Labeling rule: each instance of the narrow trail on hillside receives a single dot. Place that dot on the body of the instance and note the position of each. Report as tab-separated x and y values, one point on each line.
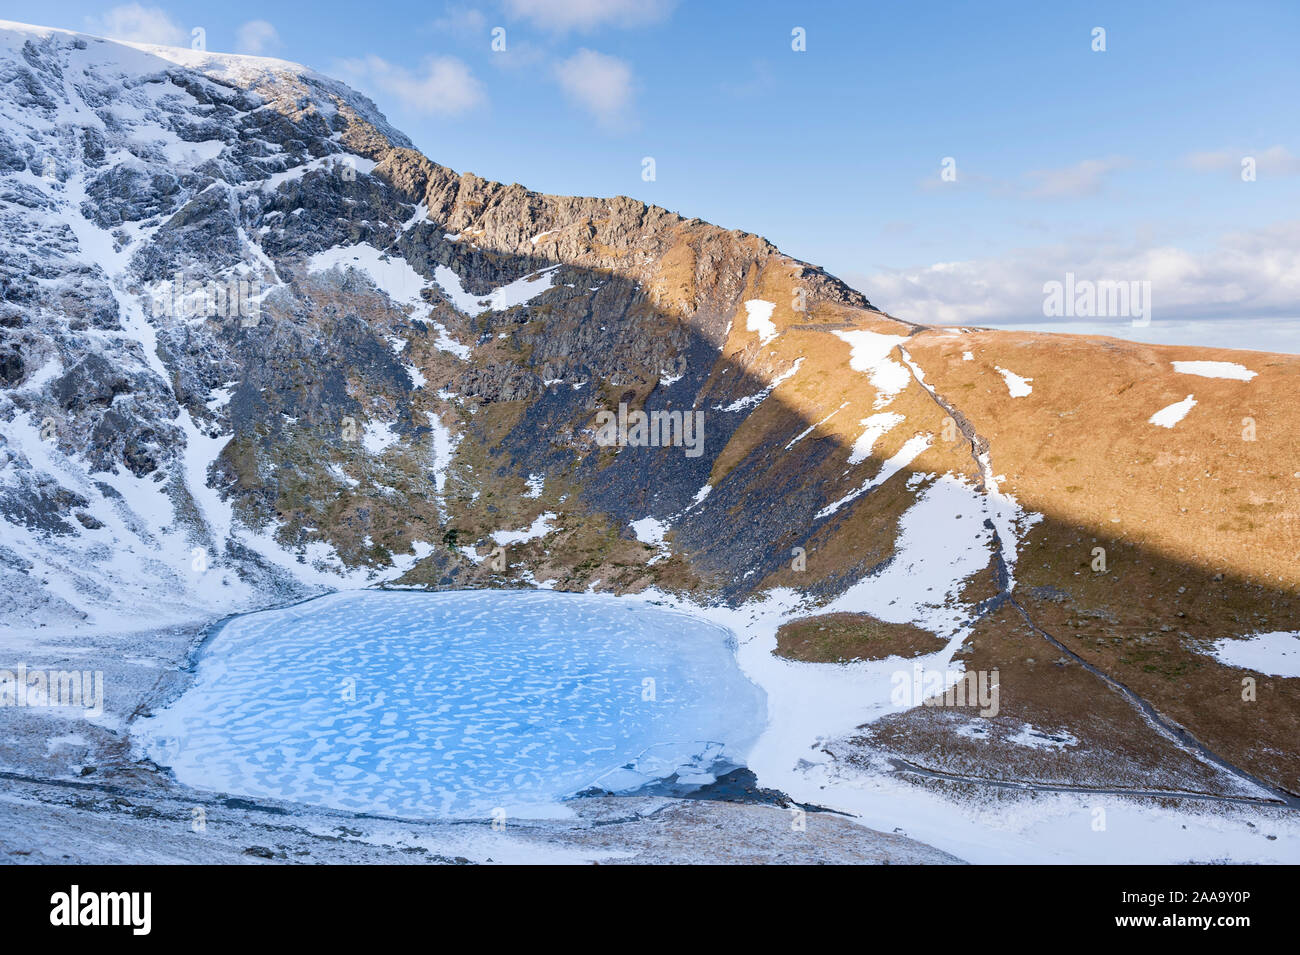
1172	731
906	766
1167	728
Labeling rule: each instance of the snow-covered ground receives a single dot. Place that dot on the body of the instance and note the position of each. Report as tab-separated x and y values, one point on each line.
811	705
1277	654
1017	386
869	353
758	318
1215	369
542	525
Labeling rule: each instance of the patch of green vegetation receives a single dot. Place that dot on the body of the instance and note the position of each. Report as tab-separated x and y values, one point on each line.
843	637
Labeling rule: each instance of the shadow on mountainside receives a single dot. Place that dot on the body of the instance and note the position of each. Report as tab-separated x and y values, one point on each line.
608	332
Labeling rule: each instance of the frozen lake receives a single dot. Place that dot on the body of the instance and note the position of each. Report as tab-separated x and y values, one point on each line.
457	704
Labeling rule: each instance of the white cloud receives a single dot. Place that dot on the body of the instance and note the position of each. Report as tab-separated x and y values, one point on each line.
1274	161
1248	274
519	54
463	21
562	15
1212	161
599	83
257	38
139	24
1082	179
443	85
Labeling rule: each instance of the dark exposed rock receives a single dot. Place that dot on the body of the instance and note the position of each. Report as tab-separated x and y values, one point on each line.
11	362
125	194
92	380
499	383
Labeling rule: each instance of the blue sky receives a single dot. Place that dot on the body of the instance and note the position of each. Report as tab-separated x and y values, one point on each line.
1124	163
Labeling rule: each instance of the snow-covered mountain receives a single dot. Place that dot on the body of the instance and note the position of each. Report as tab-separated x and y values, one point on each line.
181	226
253	344
126	167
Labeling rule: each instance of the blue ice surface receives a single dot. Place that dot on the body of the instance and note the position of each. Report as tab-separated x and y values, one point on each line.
456	704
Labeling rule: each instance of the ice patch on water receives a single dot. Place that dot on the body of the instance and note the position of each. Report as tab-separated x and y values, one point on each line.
454	704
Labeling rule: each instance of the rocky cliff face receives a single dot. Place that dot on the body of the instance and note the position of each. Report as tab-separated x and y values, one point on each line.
235	292
253	344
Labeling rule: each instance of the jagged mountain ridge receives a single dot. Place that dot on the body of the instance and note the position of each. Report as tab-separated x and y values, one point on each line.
375	423
237	166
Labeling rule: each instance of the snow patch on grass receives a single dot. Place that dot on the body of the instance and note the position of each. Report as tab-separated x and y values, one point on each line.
1169	416
378	437
869	354
1037	739
753	401
1018	387
878	425
813	427
539	528
1215	369
908	453
444	449
1276	654
758	318
650	531
942	541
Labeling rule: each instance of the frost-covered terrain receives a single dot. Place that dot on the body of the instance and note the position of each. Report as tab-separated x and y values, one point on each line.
109	443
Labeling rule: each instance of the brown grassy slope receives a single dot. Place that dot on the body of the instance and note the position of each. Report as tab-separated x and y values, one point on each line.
1056	724
1199	526
1080	446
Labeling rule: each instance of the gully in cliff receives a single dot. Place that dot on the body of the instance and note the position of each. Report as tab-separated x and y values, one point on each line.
238	298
